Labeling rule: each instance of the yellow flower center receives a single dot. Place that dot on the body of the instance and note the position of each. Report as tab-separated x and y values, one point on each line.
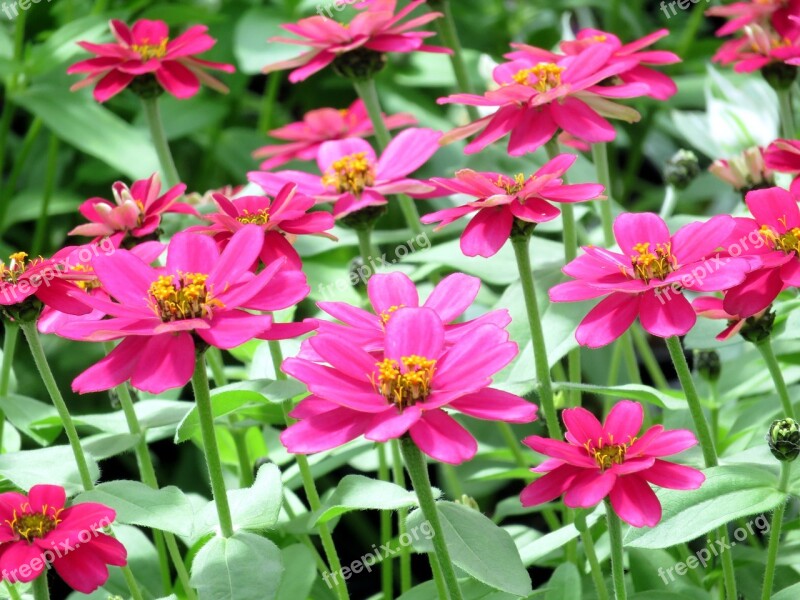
147	51
30	525
542	77
89	284
649	265
511	186
387	314
260	217
17	264
787	243
351	173
606	453
404	388
183	297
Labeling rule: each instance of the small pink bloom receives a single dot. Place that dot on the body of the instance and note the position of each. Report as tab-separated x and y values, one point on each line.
324	124
746	171
611	460
136	211
405	389
160	313
502	199
146	50
758	12
774	235
281	219
758	48
712	307
377	28
647	278
784	156
207	198
353	177
32	525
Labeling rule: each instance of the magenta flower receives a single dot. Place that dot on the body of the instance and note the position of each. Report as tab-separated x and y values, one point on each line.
711	307
146	50
540	92
377	29
353	177
648	277
758	48
406	389
784	156
756	12
324	124
136	211
745	171
775	232
388	293
502	199
611	460
36	530
281	220
161	313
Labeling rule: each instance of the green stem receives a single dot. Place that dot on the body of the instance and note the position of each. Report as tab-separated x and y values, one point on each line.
47	195
714	387
418	472
520	245
786	111
268	103
9	347
7	193
631	363
13	593
446	27
438	578
594	565
39	357
5	128
600	158
649	359
202	397
365	247
387	568
617	553
693	400
728	572
399	478
768	353
775	533
40	589
160	143
368	93
670	201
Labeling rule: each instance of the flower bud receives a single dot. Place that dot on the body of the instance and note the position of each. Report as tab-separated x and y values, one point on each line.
779	75
146	86
681	169
784	439
758	328
468	501
707	364
360	64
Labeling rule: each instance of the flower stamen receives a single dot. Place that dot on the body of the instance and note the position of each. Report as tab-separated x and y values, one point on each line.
351	173
542	77
186	298
405	387
649	265
260	217
787	243
31	525
147	51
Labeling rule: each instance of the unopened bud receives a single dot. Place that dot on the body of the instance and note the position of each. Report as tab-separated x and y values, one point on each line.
784	439
681	169
360	64
758	328
779	75
708	364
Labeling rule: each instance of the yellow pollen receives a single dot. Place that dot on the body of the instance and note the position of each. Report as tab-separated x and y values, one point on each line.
89	284
186	298
599	38
787	243
511	187
17	265
148	51
649	265
260	217
542	77
606	453
351	173
387	314
405	387
31	525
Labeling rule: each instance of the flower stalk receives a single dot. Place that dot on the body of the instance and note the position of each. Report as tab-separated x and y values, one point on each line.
775	533
159	137
617	553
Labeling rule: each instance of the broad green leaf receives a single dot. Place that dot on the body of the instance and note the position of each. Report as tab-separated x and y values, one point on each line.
470	590
356	492
789	593
29	467
150	413
25	414
167	508
252	49
564	584
106	445
729	492
300	573
539	547
244	566
477	546
62	45
630	391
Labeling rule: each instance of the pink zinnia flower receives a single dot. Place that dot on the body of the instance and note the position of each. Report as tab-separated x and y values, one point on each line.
541	92
377	29
146	50
502	199
388	293
611	460
758	48
758	12
160	313
711	307
353	177
648	277
746	171
775	233
136	211
324	124
37	527
281	219
784	156
406	389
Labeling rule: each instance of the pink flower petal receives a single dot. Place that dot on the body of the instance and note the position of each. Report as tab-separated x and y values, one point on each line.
608	320
666	313
550	486
635	502
441	437
496	405
391	290
589	487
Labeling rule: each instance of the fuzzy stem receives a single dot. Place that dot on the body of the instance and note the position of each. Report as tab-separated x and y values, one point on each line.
786	111
595	569
40	589
9	347
387	568
160	143
399	478
446	27
775	533
617	553
768	353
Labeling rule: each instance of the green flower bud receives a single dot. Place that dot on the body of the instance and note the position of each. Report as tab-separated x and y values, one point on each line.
522	229
758	328
146	86
779	76
784	439
681	169
27	311
360	64
364	218
707	364
468	501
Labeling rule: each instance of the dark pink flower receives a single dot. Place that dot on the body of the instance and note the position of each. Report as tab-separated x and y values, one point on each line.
377	28
711	307
758	48
756	12
146	50
784	156
746	171
161	313
774	232
281	219
502	199
304	138
611	460
35	530
135	212
352	177
404	390
648	277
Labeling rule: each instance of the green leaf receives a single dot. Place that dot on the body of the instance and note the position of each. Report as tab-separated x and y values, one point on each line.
478	546
729	492
564	584
29	467
251	48
62	45
542	546
790	593
630	391
300	573
356	492
244	566
25	414
167	509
